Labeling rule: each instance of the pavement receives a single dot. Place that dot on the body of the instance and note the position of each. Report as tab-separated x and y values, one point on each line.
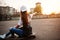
45	29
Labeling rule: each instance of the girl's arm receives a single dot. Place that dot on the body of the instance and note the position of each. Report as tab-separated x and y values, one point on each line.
31	15
19	23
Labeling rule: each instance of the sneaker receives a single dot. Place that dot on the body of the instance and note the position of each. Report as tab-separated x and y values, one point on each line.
3	36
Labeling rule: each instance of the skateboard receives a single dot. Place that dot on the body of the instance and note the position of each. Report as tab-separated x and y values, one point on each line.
31	36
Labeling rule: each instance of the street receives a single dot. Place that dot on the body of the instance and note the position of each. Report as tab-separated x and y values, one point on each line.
45	29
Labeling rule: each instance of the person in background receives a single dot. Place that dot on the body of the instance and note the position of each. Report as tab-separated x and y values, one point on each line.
24	21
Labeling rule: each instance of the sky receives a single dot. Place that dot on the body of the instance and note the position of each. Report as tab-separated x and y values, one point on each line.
48	6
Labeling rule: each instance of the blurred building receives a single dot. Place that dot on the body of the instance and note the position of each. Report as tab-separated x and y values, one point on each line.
6	12
38	8
58	15
54	15
31	10
38	4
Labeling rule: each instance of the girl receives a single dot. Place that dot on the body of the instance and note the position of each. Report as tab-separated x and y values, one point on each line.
25	20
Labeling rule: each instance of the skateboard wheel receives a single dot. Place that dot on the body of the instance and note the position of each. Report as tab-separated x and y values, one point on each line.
32	37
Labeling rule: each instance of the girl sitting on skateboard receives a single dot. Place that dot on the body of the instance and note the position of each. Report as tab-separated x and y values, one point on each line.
25	20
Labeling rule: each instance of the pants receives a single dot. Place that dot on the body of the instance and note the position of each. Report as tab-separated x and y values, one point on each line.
21	31
16	31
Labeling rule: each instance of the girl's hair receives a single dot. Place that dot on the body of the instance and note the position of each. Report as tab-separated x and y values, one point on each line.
24	18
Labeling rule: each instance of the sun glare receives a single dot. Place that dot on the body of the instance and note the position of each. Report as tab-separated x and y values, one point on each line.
51	6
48	6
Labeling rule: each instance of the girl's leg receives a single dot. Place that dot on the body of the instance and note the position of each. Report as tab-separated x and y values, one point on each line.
8	34
5	35
19	32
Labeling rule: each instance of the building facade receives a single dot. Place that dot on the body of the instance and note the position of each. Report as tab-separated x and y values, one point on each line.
38	8
6	12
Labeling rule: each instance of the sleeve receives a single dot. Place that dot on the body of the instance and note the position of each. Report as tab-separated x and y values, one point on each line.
20	22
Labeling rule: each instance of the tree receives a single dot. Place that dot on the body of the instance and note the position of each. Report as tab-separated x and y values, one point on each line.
38	8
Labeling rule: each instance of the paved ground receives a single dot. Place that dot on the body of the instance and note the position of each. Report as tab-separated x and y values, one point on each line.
45	29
